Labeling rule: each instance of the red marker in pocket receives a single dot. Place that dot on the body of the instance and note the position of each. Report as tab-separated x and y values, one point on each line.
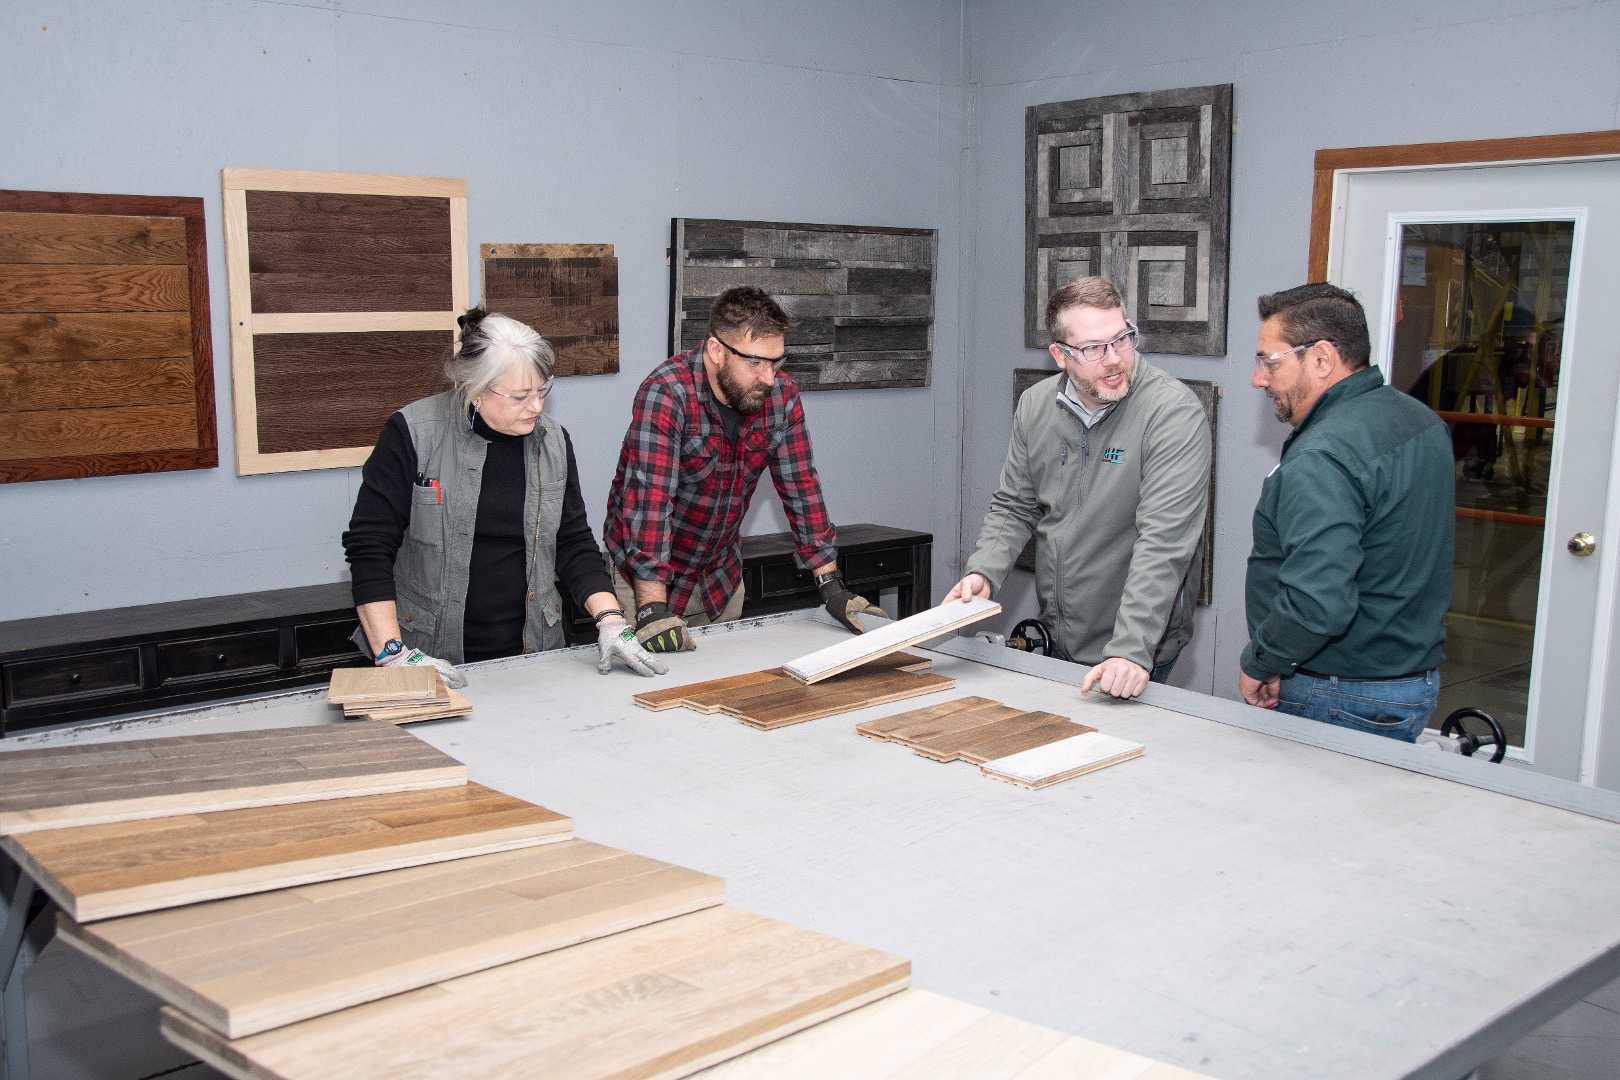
438	495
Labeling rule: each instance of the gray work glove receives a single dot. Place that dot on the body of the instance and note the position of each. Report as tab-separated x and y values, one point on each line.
615	640
659	629
844	605
453	678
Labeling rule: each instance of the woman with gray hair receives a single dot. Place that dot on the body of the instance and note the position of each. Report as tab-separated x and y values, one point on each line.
469	512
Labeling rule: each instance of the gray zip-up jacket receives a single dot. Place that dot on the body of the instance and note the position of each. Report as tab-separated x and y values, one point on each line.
1118	514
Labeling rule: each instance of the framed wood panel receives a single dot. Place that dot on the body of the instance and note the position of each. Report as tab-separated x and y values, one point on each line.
1209	396
106	356
344	291
861	296
1134	188
569	293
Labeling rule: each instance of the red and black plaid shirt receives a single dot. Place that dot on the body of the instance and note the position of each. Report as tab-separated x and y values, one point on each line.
679	495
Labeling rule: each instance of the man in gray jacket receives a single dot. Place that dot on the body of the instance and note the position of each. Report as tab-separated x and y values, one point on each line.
1108	466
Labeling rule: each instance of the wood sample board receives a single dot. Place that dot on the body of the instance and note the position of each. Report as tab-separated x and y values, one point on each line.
861	296
386	686
346	280
1064	759
916	1034
106	355
456	704
253	963
888	637
96	783
663	1000
124	868
568	293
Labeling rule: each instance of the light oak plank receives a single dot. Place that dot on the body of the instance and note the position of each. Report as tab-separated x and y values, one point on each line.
386	685
85	239
38	337
888	637
339	183
1062	759
60	432
26	287
97	384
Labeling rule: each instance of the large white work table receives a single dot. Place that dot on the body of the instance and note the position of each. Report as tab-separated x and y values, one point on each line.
1245	903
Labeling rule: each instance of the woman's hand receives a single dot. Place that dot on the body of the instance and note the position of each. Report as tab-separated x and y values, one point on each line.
615	639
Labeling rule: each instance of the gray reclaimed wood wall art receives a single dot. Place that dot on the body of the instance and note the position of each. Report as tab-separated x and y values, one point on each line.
1134	188
1209	396
861	296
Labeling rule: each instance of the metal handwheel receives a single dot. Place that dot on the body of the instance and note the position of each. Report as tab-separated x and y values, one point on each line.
1032	636
1468	742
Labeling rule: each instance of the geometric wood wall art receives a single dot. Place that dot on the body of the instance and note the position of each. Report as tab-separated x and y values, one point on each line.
1134	188
861	297
1209	396
106	362
568	293
344	292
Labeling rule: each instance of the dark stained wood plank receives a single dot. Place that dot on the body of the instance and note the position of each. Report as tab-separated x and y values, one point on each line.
423	221
330	391
98	431
29	287
136	335
80	239
314	291
558	319
73	466
888	335
570	279
991	746
572	300
95	384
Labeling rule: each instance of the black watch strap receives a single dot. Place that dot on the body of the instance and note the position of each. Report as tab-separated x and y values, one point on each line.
391	647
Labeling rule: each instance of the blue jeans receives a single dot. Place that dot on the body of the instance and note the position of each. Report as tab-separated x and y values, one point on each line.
1397	708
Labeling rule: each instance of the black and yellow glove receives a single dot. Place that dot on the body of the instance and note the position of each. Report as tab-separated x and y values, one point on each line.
659	629
844	605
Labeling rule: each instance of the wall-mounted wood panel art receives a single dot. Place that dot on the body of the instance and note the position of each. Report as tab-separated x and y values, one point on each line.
1209	396
862	296
569	293
345	289
1134	188
106	362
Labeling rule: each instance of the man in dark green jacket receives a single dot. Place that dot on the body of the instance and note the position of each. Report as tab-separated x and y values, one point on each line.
1350	575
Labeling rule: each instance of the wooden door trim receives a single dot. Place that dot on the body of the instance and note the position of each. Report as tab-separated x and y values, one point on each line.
1529	148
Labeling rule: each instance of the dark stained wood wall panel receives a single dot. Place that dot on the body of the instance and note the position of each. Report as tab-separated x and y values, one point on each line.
320	390
106	364
569	293
861	296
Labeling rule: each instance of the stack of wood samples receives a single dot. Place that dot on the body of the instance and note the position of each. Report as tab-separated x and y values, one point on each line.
396	695
106	360
888	637
1031	749
770	699
663	1000
190	774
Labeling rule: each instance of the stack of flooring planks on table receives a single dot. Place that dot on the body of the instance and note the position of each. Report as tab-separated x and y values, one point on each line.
1030	749
889	637
398	695
453	931
766	700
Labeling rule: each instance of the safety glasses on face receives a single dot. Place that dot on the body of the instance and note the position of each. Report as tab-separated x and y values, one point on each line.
1123	345
755	363
1269	361
537	394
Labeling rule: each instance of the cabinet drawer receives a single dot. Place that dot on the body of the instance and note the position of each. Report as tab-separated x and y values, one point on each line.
67	677
869	565
221	655
330	640
784	579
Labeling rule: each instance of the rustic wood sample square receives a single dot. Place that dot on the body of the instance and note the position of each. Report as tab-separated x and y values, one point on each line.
344	290
1134	188
106	360
569	294
1209	396
862	297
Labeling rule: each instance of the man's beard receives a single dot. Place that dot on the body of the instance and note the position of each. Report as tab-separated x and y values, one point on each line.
1283	405
745	397
1094	388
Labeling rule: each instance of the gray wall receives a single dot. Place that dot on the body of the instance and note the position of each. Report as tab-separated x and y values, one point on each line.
571	122
1306	76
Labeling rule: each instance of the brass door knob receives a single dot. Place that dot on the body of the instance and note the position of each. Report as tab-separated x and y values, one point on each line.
1582	543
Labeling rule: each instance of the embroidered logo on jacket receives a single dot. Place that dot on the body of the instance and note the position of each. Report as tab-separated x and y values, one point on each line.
1114	455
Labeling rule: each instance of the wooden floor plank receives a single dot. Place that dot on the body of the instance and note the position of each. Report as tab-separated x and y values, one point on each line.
960	724
962	744
1063	759
663	1000
712	695
863	690
889	637
995	743
884	726
102	871
61	787
241	968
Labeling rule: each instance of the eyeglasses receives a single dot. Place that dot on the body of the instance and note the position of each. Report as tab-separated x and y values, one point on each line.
1271	360
1123	345
538	393
756	363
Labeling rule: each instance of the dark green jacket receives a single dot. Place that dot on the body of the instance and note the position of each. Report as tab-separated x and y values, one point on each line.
1351	568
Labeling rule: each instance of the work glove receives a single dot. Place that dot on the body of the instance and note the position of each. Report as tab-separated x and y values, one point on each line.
659	629
614	638
453	678
844	605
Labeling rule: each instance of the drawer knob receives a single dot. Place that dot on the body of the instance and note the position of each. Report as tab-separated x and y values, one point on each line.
75	678
219	658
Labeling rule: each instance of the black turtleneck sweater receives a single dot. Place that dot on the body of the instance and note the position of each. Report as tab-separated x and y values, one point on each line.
497	581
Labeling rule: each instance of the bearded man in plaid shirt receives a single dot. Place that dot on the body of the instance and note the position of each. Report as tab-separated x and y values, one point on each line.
705	424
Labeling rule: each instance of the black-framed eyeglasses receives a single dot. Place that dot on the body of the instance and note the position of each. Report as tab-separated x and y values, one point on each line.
754	362
1123	344
538	393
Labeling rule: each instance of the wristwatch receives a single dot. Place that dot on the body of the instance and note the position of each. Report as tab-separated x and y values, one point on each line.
393	647
823	578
